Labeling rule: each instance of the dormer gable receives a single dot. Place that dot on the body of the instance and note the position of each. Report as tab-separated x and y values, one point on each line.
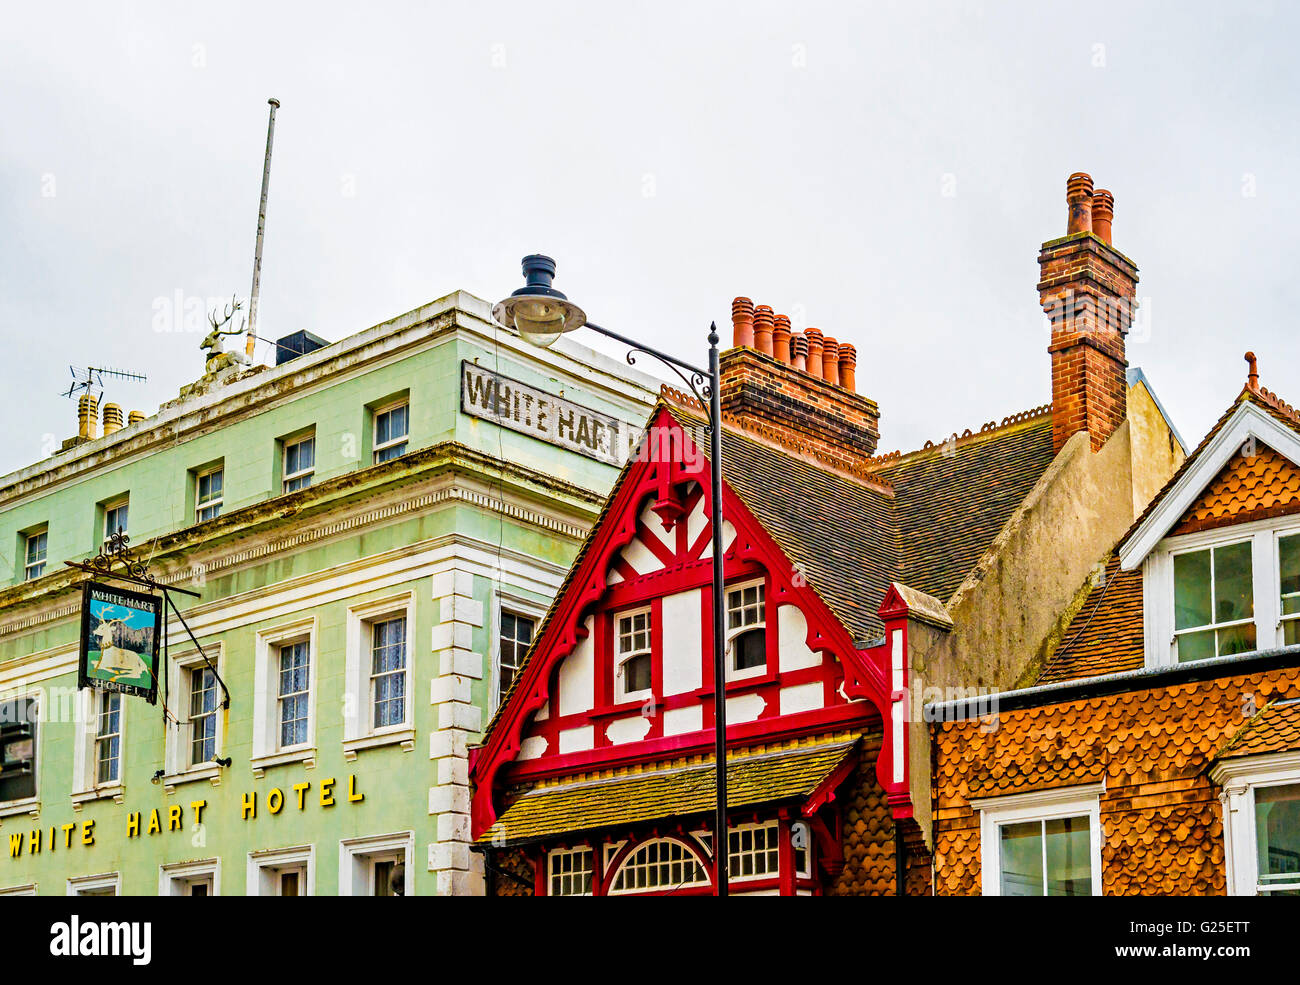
621	670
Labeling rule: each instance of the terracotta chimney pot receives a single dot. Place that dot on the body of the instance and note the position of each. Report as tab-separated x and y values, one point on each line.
831	360
742	321
87	423
112	418
763	320
1078	195
1103	214
848	362
814	336
781	339
135	417
799	351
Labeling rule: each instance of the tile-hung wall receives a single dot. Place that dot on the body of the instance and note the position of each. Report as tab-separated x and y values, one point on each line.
371	563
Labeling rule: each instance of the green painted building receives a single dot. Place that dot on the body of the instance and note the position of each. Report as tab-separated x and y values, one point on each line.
374	528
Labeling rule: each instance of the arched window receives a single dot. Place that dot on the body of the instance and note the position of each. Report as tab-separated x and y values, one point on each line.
661	864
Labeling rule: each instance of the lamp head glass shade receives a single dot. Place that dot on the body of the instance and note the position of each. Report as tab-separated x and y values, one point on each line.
539	312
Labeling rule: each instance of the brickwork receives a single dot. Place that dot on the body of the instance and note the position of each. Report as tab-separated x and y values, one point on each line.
810	413
1161	819
1088	290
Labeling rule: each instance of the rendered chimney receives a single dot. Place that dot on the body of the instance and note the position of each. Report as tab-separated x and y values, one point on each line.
848	364
781	339
87	425
814	336
831	361
742	321
112	418
763	324
1088	290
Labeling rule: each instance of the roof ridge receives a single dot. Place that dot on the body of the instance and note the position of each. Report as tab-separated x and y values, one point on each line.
987	429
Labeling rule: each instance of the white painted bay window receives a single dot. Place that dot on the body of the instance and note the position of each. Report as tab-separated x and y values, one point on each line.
1261	799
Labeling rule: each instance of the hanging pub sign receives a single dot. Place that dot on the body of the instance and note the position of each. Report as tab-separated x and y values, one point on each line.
120	633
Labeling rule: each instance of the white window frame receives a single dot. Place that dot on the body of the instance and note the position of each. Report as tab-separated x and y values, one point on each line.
1158	582
735	673
28	889
1038	805
267	750
557	854
287	477
175	876
264	868
1239	778
772	829
87	885
85	759
357	854
1278	534
358	715
513	605
621	693
28	805
109	507
177	752
28	566
218	502
376	447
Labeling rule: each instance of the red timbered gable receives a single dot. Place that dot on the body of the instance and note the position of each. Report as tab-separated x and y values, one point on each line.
622	669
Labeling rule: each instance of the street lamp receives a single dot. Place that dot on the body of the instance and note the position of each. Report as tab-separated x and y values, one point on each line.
541	314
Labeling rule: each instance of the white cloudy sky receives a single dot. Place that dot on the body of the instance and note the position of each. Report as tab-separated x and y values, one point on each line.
670	156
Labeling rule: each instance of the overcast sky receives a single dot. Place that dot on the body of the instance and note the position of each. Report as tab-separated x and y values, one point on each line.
883	171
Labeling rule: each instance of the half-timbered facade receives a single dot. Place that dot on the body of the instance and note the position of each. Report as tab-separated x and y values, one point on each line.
855	584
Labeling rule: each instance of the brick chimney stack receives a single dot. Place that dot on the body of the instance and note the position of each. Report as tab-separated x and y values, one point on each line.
1088	290
798	384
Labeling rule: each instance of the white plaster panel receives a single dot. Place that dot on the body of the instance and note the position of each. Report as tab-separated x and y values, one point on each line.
683	642
679	721
631	729
745	708
577	677
802	697
533	747
792	636
577	739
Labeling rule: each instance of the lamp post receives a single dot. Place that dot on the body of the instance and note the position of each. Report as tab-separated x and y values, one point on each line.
541	314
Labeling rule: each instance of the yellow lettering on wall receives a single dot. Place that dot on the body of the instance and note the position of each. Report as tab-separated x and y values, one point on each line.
326	792
67	835
250	806
174	817
133	824
275	800
87	832
197	806
34	842
53	841
15	844
301	790
155	822
353	796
